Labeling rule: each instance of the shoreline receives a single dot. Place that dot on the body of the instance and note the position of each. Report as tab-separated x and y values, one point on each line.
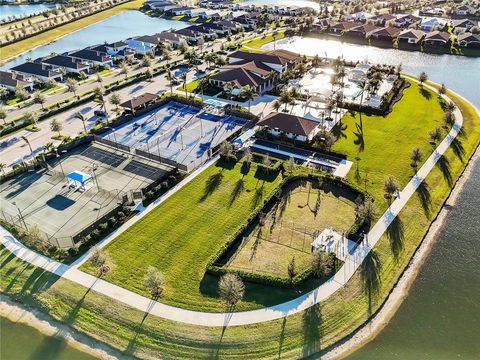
20	313
373	326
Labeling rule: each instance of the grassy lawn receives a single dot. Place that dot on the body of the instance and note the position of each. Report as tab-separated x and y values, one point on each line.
384	144
297	336
269	249
191	86
19	47
256	44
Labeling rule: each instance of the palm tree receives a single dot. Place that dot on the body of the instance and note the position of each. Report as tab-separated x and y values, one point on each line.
435	134
390	187
72	86
442	90
171	78
183	77
285	98
78	115
210	58
276	105
24	138
56	126
449	118
416	155
228	89
100	97
248	93
2	168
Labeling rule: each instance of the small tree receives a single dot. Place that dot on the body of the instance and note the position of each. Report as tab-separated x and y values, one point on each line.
390	187
115	100
416	155
154	282
39	98
3	114
290	165
231	288
31	117
291	268
248	156
56	126
448	118
124	69
72	86
322	264
435	134
367	212
442	90
98	259
422	77
21	93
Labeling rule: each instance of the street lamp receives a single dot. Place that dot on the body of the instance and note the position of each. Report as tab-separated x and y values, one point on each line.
21	215
94	167
114	135
57	155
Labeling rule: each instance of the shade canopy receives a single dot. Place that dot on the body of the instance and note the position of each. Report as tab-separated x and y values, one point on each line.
79	176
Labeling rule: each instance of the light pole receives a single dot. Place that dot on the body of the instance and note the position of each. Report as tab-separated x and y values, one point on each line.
94	167
21	215
114	135
57	155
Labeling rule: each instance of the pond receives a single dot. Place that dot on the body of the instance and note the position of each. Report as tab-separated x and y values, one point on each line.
19	11
119	27
20	341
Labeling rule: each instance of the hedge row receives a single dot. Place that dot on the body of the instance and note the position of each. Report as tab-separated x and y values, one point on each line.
216	265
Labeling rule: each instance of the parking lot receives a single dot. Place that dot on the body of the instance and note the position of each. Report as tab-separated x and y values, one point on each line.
44	198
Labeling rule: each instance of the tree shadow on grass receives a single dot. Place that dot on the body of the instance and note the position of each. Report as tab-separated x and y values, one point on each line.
458	149
40	280
370	275
312	318
73	314
138	329
359	136
269	176
20	270
444	165
211	185
340	130
425	197
257	196
282	337
237	190
218	346
425	93
396	236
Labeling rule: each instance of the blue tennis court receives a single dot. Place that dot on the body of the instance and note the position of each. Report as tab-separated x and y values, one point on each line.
177	132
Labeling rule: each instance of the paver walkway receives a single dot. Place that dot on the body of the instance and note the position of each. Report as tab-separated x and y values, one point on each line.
352	262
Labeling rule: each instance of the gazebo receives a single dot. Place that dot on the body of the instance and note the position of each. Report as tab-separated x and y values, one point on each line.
78	180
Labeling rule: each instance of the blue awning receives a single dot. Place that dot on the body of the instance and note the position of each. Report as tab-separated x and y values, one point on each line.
79	176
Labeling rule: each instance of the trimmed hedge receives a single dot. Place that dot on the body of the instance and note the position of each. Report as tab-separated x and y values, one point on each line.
217	264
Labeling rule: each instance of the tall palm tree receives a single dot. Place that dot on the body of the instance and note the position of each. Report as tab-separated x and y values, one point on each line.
228	89
416	155
171	78
391	187
183	77
285	98
78	115
24	138
248	93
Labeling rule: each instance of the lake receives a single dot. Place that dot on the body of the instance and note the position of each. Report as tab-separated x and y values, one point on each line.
24	10
19	341
119	27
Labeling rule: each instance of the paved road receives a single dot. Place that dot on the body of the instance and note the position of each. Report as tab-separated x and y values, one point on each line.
340	279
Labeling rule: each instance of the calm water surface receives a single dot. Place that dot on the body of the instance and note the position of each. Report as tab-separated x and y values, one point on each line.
21	342
119	27
23	10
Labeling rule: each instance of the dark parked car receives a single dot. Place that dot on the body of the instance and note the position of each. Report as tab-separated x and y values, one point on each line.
100	113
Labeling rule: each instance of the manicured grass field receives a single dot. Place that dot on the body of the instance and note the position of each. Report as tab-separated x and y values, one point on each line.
384	144
270	248
297	336
19	47
256	44
191	86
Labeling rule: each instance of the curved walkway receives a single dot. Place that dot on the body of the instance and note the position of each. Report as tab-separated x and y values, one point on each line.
352	261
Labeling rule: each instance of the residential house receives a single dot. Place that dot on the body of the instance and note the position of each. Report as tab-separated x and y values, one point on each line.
382	20
463	25
190	35
362	31
360	16
321	25
291	126
161	5
411	36
437	39
143	44
230	26
252	73
177	11
434	23
277	60
469	40
38	71
205	31
172	38
92	57
116	53
406	21
12	81
66	63
387	33
342	27
463	10
216	14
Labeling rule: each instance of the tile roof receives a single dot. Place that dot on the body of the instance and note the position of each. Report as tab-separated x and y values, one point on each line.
289	123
